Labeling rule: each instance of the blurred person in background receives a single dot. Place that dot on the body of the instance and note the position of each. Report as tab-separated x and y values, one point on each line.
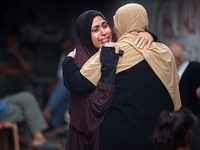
22	107
175	130
16	72
189	78
57	103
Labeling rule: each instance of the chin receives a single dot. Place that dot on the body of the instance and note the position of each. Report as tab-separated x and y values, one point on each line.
102	45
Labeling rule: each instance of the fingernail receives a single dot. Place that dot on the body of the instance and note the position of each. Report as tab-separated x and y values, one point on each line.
137	45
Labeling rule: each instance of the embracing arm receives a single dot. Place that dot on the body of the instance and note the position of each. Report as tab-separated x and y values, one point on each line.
109	58
74	81
77	83
155	37
145	38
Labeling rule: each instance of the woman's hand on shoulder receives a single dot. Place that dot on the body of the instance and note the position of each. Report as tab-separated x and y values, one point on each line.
113	44
71	54
142	39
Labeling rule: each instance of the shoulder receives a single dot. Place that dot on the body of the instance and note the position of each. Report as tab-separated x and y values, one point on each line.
193	70
194	65
161	49
160	46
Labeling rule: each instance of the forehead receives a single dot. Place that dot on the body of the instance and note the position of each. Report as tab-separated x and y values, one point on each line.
98	20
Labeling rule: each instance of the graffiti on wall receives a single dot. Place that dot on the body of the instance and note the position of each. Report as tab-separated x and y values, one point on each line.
179	21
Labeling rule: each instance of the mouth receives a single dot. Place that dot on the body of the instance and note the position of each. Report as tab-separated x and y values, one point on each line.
105	40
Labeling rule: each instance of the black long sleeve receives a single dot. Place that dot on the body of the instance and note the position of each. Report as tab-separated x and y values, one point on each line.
74	81
109	62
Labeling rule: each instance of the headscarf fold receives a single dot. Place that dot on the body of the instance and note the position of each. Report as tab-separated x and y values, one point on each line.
128	19
158	56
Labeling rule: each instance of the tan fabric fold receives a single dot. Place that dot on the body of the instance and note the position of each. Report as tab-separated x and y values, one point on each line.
159	56
139	21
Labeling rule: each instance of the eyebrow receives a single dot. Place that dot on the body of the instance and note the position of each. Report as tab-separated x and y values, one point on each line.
99	25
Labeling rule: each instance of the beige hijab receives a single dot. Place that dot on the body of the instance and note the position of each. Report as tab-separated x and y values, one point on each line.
133	17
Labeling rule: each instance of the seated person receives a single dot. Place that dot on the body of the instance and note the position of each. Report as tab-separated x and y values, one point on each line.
58	100
22	107
17	71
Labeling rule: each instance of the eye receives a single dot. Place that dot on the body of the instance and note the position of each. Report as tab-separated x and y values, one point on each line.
95	29
105	25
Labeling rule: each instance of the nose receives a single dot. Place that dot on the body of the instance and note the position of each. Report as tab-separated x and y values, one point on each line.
103	31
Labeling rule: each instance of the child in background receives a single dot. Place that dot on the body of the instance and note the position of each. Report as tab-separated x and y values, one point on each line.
175	130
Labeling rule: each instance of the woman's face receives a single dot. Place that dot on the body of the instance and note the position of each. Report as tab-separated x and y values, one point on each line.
100	32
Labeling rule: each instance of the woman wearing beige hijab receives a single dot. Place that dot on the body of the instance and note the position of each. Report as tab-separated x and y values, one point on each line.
146	83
